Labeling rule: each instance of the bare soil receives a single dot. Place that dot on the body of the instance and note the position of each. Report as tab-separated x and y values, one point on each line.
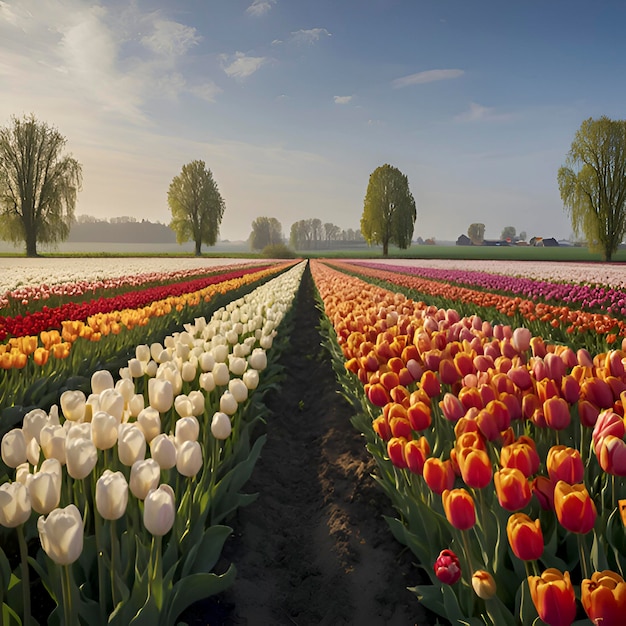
313	549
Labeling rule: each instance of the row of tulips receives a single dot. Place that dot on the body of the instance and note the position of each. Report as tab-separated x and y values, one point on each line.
567	324
31	368
36	322
504	455
127	488
582	296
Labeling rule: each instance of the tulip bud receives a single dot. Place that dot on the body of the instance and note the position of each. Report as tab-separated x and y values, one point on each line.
73	405
45	491
131	444
258	359
111	495
603	598
144	476
52	439
61	534
81	456
163	451
183	406
459	508
221	426
15	504
447	567
206	361
207	381
237	365
189	458
251	379
33	422
14	448
221	375
160	394
574	507
101	380
112	401
188	371
136	404
228	403
196	397
438	474
525	537
512	488
104	430
135	368
565	463
483	584
159	510
238	389
186	429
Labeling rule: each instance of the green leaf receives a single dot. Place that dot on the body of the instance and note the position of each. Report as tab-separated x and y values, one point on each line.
204	555
194	588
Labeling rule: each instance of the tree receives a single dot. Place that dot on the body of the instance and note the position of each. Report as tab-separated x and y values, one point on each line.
196	204
593	183
522	235
389	211
38	185
266	231
508	232
476	232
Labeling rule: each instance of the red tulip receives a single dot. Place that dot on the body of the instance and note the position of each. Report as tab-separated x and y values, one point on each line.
521	454
475	467
612	455
451	407
395	450
553	596
419	416
439	475
447	567
415	453
512	489
525	537
556	413
459	508
565	463
604	598
543	489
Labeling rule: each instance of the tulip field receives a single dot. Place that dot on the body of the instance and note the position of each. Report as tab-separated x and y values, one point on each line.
490	397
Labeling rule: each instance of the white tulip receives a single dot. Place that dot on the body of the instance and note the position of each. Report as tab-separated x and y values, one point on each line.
258	359
131	444
111	495
81	457
45	491
221	375
160	394
126	388
186	429
52	439
207	382
135	368
149	421
221	426
159	510
15	504
239	390
14	448
151	369
101	380
163	451
189	458
206	361
196	397
73	404
188	371
33	451
251	379
237	365
104	430
144	476
61	534
142	353
155	350
219	352
33	422
136	404
112	402
228	404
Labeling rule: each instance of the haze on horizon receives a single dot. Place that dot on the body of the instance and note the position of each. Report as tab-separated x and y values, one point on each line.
292	105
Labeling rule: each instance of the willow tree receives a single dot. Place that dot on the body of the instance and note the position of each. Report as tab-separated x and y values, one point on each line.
593	183
389	211
38	185
266	231
196	205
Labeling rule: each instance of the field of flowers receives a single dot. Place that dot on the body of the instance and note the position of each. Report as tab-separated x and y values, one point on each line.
491	398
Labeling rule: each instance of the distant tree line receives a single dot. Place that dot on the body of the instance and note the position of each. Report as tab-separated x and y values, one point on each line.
312	234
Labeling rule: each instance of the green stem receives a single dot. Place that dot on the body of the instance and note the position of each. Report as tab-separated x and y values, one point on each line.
25	574
101	569
583	554
69	614
114	551
156	572
468	555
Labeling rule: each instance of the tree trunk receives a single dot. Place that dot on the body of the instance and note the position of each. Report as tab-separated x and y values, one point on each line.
31	244
198	246
385	248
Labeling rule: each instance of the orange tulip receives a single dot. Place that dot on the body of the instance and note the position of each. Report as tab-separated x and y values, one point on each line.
604	598
525	537
483	584
475	467
553	596
574	507
395	450
613	455
415	453
512	489
430	383
439	475
419	416
459	508
565	463
521	454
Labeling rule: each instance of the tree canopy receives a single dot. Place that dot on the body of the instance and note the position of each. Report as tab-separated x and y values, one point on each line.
476	232
38	185
593	183
389	211
196	205
508	232
266	231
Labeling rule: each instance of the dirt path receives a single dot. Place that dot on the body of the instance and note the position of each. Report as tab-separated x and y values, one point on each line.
313	549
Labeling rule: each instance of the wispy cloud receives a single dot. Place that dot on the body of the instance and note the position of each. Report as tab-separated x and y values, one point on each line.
260	7
479	113
207	91
429	76
240	65
170	38
342	99
310	36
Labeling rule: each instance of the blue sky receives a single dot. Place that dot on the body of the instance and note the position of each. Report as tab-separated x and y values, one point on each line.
292	104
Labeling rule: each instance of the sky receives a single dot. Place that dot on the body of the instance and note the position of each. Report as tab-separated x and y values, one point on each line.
292	104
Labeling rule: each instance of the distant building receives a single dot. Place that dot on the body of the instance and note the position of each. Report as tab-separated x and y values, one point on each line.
464	240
